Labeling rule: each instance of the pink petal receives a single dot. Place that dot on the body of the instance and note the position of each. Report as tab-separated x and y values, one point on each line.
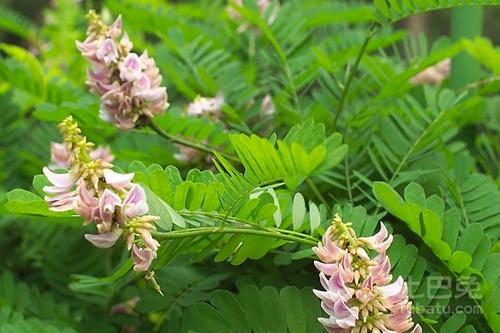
64	208
135	203
59	155
381	235
152	95
58	179
107	203
130	69
115	30
393	288
56	190
142	258
118	180
105	240
102	153
328	269
107	52
149	241
341	309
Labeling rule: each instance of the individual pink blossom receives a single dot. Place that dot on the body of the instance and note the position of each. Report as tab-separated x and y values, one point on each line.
108	202
148	239
62	181
129	85
379	242
327	251
115	30
206	106
102	153
358	295
87	204
142	258
130	68
59	155
104	240
267	107
209	107
60	195
380	273
135	202
107	51
62	202
118	180
434	74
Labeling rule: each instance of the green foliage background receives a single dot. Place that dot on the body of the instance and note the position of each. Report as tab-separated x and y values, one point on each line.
350	135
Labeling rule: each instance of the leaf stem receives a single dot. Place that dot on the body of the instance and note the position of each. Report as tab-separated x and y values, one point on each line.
270	232
187	143
351	75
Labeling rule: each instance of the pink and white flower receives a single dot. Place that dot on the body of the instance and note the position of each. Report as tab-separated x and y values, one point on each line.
206	106
61	195
104	240
103	196
358	294
130	68
379	242
142	258
129	85
434	74
118	180
135	202
59	155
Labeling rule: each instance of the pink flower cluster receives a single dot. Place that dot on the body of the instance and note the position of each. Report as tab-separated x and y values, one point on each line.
101	196
129	85
358	294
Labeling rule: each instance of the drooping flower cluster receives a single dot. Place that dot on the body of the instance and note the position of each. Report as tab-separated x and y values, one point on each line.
129	85
359	295
434	74
102	196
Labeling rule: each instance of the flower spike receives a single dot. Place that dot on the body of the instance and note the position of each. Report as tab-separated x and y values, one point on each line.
359	295
102	196
129	85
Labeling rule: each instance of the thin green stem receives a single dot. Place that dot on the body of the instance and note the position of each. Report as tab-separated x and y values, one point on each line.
205	231
351	75
348	179
245	223
190	144
317	193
